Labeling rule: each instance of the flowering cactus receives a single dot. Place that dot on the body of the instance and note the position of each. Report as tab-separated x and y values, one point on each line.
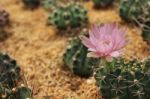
76	59
105	41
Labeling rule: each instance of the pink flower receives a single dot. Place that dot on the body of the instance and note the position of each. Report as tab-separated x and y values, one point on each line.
105	41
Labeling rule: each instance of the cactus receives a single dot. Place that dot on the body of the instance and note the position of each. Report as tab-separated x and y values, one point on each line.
135	10
76	59
126	80
6	93
4	18
21	92
9	71
71	15
102	3
31	3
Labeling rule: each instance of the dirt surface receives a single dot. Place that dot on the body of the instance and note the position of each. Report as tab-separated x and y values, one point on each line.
38	50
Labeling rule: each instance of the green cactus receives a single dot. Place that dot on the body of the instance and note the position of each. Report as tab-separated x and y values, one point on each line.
135	10
126	80
9	71
6	93
76	59
31	3
4	18
23	92
72	15
102	3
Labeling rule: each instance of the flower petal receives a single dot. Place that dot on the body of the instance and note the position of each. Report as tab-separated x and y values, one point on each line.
115	54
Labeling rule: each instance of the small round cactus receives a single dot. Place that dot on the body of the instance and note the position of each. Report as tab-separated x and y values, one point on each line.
135	10
126	80
21	92
102	3
4	18
9	71
72	15
76	59
31	3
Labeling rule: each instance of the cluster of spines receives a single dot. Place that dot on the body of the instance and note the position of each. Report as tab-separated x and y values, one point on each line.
127	80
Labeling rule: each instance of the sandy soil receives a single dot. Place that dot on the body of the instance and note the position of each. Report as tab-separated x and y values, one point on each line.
38	50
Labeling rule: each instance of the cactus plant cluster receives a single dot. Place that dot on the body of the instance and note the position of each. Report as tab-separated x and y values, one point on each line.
71	15
31	3
9	77
121	79
102	3
76	59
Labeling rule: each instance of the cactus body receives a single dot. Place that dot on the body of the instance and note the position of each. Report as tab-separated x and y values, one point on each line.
23	92
31	3
102	3
127	80
77	61
71	15
6	93
9	71
135	10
